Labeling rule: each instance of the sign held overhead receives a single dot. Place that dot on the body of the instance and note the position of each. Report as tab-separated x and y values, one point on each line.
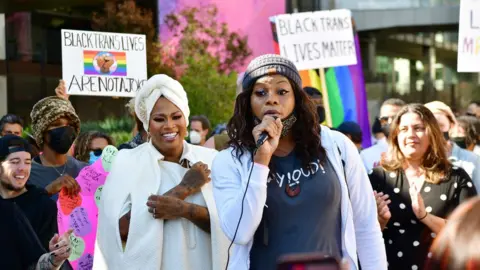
103	64
317	39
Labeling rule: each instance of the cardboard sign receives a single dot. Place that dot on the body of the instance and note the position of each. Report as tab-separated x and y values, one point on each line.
80	212
469	37
318	39
103	64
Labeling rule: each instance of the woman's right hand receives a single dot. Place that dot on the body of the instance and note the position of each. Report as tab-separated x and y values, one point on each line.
383	211
274	129
196	177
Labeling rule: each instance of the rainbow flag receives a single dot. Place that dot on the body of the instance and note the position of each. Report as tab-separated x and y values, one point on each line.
93	61
347	97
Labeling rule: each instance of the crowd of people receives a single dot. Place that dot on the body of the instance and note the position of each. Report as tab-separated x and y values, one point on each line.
271	182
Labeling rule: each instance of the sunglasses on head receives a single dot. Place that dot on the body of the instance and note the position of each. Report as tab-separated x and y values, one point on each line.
97	152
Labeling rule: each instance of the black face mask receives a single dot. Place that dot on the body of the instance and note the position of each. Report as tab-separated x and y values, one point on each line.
460	141
61	139
321	114
386	130
446	136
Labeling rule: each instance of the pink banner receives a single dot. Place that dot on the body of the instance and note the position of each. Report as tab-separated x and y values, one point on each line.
247	17
81	214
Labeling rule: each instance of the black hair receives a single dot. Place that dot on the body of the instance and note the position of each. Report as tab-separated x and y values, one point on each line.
10	119
202	119
394	102
312	91
306	130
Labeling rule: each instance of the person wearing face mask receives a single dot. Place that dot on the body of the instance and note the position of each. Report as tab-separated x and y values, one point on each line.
459	157
157	200
55	126
371	156
89	146
416	187
199	129
304	189
464	133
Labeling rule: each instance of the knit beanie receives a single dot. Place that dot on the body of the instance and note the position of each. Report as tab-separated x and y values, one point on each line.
270	64
47	111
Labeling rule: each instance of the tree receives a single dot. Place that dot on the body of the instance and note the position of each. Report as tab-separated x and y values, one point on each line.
127	17
198	32
210	93
202	53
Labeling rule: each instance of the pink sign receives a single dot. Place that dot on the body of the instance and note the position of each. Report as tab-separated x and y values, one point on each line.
81	214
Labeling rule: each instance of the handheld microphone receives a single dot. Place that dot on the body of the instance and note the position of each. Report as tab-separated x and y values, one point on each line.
264	136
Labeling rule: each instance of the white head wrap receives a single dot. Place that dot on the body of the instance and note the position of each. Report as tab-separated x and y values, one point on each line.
156	87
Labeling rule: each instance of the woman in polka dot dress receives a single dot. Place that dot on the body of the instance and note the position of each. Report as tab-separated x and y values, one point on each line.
416	187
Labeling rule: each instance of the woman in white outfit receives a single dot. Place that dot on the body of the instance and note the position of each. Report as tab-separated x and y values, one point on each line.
157	209
303	190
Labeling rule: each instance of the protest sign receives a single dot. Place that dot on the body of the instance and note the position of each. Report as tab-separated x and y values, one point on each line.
80	212
318	39
103	64
469	37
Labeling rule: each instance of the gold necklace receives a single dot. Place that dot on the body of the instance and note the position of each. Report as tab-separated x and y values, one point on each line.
52	166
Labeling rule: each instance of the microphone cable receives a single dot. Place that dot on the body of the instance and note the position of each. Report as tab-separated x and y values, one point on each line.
241	211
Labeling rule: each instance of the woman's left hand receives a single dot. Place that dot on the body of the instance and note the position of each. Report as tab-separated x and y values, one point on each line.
418	205
165	207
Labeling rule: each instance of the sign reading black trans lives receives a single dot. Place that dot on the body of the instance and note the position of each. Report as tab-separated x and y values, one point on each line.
103	64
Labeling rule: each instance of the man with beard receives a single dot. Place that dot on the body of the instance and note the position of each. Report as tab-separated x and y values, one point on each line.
15	165
55	126
371	156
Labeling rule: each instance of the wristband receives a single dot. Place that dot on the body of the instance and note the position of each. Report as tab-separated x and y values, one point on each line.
426	214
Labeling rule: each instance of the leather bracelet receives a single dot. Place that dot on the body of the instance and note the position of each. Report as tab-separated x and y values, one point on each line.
426	214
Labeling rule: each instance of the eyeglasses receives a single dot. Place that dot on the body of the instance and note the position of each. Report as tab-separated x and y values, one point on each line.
385	119
470	114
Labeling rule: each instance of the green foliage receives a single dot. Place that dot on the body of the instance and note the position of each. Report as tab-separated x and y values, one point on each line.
209	92
119	129
202	54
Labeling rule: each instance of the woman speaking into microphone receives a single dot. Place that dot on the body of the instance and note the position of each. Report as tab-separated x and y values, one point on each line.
287	185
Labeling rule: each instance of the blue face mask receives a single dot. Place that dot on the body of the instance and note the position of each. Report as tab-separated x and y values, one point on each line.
93	157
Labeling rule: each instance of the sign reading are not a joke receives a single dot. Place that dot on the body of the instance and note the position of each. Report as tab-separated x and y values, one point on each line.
103	64
317	39
469	36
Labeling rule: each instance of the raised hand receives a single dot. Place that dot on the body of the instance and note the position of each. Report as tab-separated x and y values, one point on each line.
274	129
418	205
383	210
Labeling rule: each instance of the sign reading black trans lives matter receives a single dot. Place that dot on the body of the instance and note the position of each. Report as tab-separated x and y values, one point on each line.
317	39
103	64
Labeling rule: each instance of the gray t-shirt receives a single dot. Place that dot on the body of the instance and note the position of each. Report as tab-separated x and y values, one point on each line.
307	222
41	176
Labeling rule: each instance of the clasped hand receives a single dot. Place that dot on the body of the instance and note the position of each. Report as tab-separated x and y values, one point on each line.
171	204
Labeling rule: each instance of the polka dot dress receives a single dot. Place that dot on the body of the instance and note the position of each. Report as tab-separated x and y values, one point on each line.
407	239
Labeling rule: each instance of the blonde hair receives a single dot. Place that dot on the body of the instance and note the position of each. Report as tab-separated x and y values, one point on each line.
435	160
